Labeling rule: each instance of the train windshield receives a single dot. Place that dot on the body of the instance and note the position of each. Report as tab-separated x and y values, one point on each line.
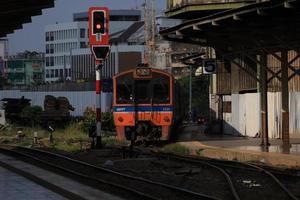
125	89
142	91
161	89
155	90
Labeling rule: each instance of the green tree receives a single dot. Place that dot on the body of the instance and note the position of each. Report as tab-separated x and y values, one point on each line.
200	93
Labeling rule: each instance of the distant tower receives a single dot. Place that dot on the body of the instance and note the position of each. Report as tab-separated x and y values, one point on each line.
150	31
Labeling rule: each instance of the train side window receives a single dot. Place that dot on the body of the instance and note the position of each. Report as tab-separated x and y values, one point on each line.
125	89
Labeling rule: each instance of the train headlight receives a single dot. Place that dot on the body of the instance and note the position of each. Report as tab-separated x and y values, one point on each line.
120	119
166	119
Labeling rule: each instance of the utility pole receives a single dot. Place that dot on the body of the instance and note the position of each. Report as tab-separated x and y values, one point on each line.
190	96
150	31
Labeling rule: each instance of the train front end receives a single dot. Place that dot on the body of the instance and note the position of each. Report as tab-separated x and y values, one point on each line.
143	104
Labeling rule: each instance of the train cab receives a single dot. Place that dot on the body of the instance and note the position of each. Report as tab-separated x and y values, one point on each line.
143	104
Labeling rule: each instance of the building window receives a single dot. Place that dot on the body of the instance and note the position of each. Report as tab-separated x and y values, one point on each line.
51	36
82	33
52	73
47	61
51	61
51	48
61	73
47	36
56	73
47	74
82	45
47	48
66	72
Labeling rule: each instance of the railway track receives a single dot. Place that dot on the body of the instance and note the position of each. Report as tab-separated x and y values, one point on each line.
228	188
137	187
233	170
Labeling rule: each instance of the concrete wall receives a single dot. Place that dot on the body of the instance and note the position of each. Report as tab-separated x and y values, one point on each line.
2	117
80	100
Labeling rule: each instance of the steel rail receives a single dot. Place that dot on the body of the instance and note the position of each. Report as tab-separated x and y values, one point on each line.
170	187
275	179
81	175
126	175
254	167
257	169
229	181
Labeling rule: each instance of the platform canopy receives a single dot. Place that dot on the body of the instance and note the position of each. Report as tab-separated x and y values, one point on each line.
14	13
268	24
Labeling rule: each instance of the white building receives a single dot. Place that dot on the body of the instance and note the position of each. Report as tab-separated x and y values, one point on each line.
60	39
120	20
3	56
122	57
64	38
3	48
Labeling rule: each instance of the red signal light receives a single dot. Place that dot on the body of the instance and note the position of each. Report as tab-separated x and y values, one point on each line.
98	26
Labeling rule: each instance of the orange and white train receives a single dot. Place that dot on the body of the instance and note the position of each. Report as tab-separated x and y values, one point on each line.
147	104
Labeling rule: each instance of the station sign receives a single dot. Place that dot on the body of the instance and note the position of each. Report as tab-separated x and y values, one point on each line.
99	32
209	66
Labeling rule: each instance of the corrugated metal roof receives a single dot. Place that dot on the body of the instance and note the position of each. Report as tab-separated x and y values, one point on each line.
271	23
129	32
14	13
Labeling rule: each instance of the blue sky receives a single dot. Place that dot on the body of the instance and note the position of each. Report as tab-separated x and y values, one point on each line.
31	37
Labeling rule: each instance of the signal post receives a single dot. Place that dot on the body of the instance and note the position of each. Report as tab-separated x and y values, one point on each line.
99	44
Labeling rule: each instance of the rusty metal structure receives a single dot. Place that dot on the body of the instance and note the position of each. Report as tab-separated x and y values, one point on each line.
257	47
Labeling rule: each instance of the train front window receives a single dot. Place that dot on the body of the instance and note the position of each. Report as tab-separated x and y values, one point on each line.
161	89
125	89
142	91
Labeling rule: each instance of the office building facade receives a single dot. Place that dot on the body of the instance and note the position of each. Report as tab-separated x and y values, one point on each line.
60	40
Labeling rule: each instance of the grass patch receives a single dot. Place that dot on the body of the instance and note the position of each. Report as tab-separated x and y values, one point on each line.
177	149
69	147
70	139
113	141
71	133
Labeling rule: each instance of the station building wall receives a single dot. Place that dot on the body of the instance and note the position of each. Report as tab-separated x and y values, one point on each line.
244	118
237	87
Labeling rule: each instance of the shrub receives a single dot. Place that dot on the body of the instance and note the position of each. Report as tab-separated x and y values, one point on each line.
89	120
30	115
108	122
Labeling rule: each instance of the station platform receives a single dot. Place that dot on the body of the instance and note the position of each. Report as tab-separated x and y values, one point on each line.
13	186
41	184
241	148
